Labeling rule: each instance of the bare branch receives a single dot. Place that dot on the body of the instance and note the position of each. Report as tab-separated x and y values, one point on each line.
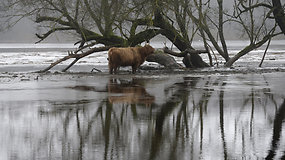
76	56
52	19
44	36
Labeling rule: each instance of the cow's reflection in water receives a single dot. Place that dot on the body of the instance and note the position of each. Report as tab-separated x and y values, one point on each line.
128	92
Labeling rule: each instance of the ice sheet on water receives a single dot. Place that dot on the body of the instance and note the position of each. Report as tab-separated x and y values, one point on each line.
39	45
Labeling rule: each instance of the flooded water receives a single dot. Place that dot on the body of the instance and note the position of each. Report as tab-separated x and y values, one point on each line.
74	116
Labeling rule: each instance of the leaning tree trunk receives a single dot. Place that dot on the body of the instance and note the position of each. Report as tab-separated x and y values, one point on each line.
279	14
163	59
246	50
190	60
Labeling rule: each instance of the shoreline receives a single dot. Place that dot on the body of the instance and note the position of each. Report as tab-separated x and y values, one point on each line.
18	76
144	69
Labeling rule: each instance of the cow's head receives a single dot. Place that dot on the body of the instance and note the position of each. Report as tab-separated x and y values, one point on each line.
147	50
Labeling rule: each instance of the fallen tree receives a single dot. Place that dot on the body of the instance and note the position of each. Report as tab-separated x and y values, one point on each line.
164	59
76	58
188	55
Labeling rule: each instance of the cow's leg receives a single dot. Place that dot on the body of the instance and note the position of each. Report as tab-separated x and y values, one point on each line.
115	69
110	68
134	69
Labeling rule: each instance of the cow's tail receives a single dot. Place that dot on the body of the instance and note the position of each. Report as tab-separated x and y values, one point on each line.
110	61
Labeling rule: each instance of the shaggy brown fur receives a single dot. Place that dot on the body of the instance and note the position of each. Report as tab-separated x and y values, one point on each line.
131	56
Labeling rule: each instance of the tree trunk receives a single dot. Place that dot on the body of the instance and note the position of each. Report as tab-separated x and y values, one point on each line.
163	59
247	50
188	57
181	43
279	14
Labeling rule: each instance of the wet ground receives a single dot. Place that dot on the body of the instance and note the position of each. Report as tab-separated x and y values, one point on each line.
145	116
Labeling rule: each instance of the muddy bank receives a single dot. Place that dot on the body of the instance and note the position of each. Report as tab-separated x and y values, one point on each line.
29	72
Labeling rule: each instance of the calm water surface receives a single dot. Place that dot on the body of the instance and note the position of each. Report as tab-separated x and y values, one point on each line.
144	117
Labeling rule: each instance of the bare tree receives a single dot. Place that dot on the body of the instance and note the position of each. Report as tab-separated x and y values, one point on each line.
176	18
256	25
252	17
131	22
92	22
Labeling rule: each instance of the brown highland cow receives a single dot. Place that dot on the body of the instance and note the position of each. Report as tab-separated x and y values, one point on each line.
131	56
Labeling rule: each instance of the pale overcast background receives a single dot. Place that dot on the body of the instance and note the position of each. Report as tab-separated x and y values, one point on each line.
25	30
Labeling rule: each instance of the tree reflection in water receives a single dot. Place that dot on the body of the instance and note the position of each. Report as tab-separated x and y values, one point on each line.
277	130
211	117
